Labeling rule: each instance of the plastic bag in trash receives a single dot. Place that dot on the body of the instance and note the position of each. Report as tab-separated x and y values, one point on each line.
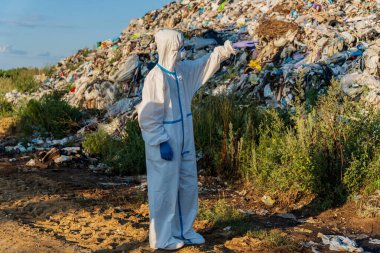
127	69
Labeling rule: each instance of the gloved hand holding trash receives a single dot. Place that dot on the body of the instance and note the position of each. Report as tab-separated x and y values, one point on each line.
245	44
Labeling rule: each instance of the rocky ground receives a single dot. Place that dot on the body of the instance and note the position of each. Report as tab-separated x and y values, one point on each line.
69	209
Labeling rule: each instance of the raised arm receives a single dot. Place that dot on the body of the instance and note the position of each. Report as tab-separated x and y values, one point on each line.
197	72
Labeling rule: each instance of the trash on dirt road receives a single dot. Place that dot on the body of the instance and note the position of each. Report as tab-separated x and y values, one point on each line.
374	241
249	212
243	244
303	230
261	212
340	243
62	158
111	184
227	228
267	200
287	216
31	163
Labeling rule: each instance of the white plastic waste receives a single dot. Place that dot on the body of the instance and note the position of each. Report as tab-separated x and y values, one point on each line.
31	163
374	241
62	158
356	83
340	243
120	107
199	43
287	216
126	69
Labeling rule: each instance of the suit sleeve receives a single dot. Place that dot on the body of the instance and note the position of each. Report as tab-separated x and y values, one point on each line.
151	110
199	71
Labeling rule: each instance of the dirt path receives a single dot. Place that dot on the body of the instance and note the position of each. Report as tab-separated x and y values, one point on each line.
17	237
75	210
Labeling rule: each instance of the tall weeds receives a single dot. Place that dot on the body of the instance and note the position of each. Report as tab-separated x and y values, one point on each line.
48	116
126	155
330	149
21	79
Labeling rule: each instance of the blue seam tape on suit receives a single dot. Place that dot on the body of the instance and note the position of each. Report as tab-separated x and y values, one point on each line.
180	109
180	216
171	121
183	140
175	121
165	70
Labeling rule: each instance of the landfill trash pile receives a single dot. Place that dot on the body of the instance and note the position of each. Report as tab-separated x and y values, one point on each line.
301	46
47	152
37	144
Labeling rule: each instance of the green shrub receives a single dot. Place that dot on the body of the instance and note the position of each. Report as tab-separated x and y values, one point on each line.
218	124
49	115
329	148
221	213
363	173
135	146
26	83
251	143
281	158
6	108
348	140
21	79
95	141
49	70
126	156
271	238
6	85
372	180
85	52
74	65
117	56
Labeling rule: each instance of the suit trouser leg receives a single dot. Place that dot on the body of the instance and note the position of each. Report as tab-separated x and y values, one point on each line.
187	203
162	178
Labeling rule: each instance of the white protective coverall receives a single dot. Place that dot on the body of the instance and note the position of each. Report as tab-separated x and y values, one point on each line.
165	115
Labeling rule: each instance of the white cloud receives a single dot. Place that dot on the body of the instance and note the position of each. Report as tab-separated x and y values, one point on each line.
4	49
10	50
34	21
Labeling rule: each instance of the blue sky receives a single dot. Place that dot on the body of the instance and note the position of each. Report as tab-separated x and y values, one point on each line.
35	33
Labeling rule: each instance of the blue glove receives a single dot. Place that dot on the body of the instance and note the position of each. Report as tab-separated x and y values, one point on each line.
166	151
356	53
244	44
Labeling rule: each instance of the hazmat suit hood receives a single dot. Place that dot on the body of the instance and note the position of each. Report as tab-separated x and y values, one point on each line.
168	43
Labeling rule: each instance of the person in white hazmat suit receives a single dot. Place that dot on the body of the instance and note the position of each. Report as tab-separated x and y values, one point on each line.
166	123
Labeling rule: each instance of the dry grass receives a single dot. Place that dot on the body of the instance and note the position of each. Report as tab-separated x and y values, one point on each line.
271	29
6	85
7	125
370	206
